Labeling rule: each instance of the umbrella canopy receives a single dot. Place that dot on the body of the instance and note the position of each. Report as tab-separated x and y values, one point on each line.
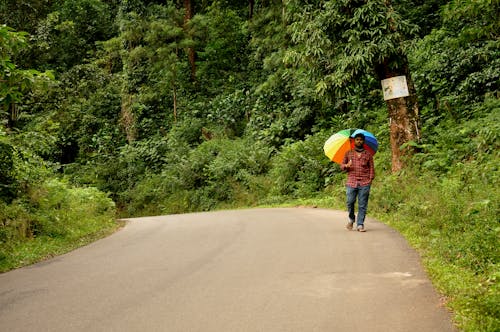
341	142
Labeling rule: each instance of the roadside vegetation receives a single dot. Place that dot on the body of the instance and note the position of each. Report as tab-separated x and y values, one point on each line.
123	109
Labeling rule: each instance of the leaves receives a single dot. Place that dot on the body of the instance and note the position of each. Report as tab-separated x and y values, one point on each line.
458	67
344	41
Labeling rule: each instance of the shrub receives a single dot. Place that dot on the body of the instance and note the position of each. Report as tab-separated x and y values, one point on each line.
301	168
53	218
62	211
201	178
453	220
7	173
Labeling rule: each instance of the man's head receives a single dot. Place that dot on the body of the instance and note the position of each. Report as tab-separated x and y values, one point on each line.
359	140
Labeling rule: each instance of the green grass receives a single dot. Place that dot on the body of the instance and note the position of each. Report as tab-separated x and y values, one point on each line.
52	219
41	248
453	224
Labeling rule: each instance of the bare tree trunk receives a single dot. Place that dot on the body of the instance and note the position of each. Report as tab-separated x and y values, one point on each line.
127	118
251	4
283	12
174	92
403	128
13	116
174	85
189	7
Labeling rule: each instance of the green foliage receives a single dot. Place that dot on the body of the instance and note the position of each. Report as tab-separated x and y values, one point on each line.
153	44
11	42
285	104
426	14
230	112
340	42
301	167
77	119
67	212
453	221
276	115
15	83
458	66
7	175
213	172
453	144
15	226
221	40
474	20
68	34
53	216
23	15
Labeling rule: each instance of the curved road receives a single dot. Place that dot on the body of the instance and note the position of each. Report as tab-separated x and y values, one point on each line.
293	269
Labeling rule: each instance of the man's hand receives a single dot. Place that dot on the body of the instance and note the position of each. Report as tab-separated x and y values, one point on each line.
349	164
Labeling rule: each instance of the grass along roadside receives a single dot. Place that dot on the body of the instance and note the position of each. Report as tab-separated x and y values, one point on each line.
453	224
45	247
52	219
473	296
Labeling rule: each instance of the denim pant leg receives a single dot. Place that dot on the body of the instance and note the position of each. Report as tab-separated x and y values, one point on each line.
363	195
352	193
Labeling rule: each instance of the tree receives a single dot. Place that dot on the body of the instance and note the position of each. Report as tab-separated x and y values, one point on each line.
342	43
458	65
284	105
423	13
403	111
67	35
23	15
251	5
221	37
152	57
188	15
15	83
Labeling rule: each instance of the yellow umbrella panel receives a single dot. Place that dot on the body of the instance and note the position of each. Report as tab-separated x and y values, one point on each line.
337	145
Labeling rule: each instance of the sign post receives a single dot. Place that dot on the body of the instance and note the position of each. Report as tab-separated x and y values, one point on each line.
395	87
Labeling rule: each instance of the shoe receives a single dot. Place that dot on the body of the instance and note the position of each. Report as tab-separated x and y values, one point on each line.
361	228
349	225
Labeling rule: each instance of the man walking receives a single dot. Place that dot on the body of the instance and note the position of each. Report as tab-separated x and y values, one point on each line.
358	164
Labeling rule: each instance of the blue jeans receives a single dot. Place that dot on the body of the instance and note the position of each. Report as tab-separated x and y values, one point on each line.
362	193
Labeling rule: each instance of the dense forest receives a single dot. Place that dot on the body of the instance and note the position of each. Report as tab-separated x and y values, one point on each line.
139	107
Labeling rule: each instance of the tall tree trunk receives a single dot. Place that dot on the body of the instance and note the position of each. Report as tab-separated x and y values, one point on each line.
251	4
403	111
283	12
13	116
127	118
174	95
403	116
189	8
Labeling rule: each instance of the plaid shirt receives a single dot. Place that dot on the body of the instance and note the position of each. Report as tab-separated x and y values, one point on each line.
362	170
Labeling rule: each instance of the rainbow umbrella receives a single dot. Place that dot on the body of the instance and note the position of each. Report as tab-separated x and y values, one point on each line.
339	143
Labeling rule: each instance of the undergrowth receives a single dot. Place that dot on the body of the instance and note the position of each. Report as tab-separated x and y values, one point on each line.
453	223
52	219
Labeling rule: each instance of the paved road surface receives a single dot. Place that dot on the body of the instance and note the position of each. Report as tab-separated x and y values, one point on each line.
266	270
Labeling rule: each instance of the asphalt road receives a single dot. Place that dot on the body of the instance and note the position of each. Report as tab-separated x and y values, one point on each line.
295	269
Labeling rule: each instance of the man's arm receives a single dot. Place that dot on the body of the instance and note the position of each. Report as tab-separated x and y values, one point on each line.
372	169
345	165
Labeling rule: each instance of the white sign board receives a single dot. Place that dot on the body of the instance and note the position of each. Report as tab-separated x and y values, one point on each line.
395	87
